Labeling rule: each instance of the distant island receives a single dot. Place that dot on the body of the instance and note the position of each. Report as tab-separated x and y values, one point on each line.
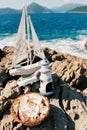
9	11
82	9
32	8
36	8
66	7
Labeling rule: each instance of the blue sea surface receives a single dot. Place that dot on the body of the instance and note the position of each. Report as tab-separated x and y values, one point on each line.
57	29
47	26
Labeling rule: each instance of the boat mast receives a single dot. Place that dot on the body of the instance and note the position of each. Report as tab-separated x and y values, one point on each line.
28	34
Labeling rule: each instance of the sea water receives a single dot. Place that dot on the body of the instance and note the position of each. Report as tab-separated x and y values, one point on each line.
63	32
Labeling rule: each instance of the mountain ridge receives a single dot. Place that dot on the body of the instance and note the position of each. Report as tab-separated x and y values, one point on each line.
66	7
9	11
32	8
81	9
36	8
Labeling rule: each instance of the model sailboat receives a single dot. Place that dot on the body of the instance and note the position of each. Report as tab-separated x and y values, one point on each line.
22	53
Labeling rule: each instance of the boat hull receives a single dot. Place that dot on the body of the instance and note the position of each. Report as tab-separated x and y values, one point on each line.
28	69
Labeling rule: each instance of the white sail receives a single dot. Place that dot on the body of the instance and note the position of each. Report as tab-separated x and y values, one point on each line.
21	51
23	48
37	46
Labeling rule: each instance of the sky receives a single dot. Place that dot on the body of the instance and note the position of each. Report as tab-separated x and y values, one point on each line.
17	4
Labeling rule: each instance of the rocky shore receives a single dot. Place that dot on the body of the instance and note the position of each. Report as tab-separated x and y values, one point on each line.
69	102
85	45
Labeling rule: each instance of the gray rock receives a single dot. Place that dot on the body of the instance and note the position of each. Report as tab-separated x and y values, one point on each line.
3	76
74	105
7	122
11	90
68	105
85	45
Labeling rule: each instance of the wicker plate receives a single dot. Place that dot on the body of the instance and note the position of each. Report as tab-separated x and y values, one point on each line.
31	121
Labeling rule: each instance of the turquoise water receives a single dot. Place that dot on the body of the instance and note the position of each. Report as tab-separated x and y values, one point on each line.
48	26
58	31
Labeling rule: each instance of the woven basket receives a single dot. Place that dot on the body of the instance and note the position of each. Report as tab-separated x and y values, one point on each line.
32	121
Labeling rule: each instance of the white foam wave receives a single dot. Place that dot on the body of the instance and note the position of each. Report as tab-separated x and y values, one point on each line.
69	46
82	32
73	47
8	41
